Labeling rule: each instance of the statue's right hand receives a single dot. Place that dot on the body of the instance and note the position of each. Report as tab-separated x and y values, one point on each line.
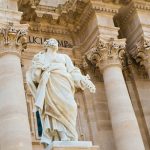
88	83
38	64
45	76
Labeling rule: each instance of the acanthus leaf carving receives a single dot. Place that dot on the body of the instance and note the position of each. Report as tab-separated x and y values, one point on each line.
92	56
143	52
13	38
21	38
108	51
112	48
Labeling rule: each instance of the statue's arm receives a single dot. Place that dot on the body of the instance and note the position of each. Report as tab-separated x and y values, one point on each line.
36	74
36	68
80	80
33	77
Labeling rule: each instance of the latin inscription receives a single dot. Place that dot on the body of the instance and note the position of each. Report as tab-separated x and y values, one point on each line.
40	41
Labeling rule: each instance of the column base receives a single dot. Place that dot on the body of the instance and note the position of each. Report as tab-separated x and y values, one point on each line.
72	145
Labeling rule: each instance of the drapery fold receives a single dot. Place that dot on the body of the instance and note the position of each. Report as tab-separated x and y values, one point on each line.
54	95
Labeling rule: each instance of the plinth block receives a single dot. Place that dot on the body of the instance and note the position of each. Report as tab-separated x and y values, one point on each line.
73	145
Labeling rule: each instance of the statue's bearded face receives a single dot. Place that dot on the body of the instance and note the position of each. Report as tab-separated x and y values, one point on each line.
51	43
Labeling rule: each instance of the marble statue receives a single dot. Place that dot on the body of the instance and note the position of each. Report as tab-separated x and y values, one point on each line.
52	79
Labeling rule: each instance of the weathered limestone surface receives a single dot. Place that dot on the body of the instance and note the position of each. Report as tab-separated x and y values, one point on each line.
14	125
81	145
81	22
73	148
124	122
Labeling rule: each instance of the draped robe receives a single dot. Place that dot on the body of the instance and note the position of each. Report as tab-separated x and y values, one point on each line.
54	95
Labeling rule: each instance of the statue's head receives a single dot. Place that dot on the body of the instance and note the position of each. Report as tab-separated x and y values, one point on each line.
51	43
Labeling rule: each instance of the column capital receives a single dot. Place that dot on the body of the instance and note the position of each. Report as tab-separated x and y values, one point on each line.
143	52
12	38
107	52
111	51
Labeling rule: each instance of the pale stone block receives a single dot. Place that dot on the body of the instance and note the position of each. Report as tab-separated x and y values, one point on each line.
73	145
76	148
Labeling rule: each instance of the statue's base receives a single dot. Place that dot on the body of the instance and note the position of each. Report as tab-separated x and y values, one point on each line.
73	145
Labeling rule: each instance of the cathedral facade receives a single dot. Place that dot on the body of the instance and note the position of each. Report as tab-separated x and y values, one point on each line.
107	39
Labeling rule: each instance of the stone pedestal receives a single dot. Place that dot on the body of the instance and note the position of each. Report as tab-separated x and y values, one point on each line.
75	148
73	145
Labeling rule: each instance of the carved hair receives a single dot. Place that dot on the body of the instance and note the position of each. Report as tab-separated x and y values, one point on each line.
53	43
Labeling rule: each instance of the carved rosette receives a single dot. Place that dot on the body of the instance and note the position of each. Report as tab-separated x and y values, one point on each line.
143	52
12	39
111	52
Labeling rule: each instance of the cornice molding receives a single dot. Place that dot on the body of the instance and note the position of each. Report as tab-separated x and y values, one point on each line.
142	5
127	11
47	10
105	7
48	29
74	14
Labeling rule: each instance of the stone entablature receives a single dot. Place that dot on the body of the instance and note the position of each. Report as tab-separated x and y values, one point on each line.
74	14
135	27
129	10
104	7
51	29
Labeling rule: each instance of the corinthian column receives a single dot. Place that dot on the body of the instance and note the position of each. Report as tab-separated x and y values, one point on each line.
14	125
124	123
